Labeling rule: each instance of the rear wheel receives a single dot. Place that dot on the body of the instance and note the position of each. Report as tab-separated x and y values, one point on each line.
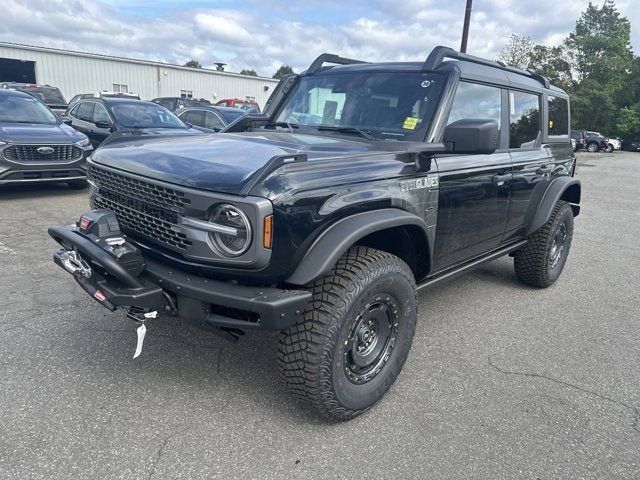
609	148
353	340
541	261
593	147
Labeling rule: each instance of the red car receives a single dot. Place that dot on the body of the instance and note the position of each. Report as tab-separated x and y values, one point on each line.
251	106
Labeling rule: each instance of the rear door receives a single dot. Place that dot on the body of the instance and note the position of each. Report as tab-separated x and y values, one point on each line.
82	117
473	200
532	163
98	134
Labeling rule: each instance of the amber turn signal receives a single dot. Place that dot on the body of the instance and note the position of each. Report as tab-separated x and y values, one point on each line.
268	231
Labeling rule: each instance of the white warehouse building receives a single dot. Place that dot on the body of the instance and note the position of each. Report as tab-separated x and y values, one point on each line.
78	72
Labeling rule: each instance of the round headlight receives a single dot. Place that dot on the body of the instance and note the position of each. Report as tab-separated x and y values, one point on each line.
234	236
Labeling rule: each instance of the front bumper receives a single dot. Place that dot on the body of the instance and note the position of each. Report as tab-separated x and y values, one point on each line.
161	287
12	172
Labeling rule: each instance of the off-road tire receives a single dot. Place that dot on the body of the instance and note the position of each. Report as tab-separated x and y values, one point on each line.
77	184
534	262
593	147
314	354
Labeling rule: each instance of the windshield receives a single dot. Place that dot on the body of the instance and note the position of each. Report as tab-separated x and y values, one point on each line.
145	115
384	106
49	95
230	115
15	109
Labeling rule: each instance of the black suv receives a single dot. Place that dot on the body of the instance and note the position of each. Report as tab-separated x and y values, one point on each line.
361	184
99	118
591	141
51	96
36	146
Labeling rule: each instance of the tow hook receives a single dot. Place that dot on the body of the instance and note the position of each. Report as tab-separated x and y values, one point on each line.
139	315
72	263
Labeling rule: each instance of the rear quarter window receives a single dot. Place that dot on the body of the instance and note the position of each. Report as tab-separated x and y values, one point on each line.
558	117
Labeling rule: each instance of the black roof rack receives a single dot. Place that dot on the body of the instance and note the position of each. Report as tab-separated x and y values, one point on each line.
330	58
438	54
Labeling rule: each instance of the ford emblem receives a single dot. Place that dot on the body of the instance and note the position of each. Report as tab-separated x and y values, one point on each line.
45	150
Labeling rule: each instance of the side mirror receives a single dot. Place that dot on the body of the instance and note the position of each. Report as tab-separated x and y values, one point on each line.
471	136
104	124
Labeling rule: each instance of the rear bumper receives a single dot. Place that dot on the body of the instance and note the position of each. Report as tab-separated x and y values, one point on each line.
201	299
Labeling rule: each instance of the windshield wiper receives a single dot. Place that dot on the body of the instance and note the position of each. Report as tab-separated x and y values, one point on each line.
359	131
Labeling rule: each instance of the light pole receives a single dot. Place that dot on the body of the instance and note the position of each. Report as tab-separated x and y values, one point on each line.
465	28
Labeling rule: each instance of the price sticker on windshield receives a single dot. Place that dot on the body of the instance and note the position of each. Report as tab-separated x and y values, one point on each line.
410	123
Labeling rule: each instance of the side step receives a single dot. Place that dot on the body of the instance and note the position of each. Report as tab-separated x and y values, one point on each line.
471	264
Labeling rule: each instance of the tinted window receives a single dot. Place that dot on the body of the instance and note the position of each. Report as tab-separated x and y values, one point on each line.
473	101
558	117
144	115
212	122
231	115
18	109
396	106
49	95
85	111
165	102
194	117
524	119
100	114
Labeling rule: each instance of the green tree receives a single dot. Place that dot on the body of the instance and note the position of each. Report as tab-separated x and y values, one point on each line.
517	51
282	71
552	62
251	73
192	63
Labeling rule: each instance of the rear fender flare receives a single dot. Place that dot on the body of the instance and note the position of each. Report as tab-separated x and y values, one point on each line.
563	188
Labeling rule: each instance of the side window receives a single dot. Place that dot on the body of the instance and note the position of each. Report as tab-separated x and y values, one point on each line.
558	117
475	101
211	121
194	117
100	114
85	111
166	102
524	119
74	110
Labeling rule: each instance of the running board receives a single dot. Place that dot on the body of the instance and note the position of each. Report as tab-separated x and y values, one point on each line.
465	267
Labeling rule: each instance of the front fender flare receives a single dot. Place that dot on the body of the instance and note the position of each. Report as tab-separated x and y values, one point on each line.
552	195
325	251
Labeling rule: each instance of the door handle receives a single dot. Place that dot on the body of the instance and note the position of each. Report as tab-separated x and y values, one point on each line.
500	179
543	170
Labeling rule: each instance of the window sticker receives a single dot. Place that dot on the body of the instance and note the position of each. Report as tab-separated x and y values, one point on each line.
410	123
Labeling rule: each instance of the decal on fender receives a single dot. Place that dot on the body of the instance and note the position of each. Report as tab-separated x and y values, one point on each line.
430	181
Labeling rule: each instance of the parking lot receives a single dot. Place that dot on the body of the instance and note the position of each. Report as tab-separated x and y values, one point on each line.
503	380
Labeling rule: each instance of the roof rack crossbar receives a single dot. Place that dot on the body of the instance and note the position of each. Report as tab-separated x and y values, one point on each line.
330	58
438	54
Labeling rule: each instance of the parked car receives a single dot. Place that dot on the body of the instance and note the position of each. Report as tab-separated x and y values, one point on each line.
36	146
632	145
51	96
326	231
103	94
251	106
99	118
209	119
176	103
574	145
578	137
614	144
591	141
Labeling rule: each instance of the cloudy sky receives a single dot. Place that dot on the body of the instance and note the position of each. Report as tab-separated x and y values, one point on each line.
265	34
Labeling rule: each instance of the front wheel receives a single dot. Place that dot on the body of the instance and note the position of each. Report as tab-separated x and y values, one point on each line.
540	262
354	338
609	148
593	147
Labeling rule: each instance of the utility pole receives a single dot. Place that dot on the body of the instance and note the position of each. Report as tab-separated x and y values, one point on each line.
465	28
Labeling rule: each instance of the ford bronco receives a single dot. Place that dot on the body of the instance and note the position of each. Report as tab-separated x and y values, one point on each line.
323	217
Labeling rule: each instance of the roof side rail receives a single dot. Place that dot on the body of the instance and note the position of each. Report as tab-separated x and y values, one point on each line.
330	58
438	54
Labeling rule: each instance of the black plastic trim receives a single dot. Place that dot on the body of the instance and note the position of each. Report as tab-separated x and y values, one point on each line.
551	196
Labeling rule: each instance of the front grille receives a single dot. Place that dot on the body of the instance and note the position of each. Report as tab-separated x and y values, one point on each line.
140	190
145	208
49	153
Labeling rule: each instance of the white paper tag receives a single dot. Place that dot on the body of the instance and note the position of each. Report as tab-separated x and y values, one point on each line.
141	330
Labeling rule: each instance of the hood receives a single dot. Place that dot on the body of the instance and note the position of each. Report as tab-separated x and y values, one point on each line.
223	162
39	133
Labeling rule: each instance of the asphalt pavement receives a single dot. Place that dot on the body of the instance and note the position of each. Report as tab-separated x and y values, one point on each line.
503	380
